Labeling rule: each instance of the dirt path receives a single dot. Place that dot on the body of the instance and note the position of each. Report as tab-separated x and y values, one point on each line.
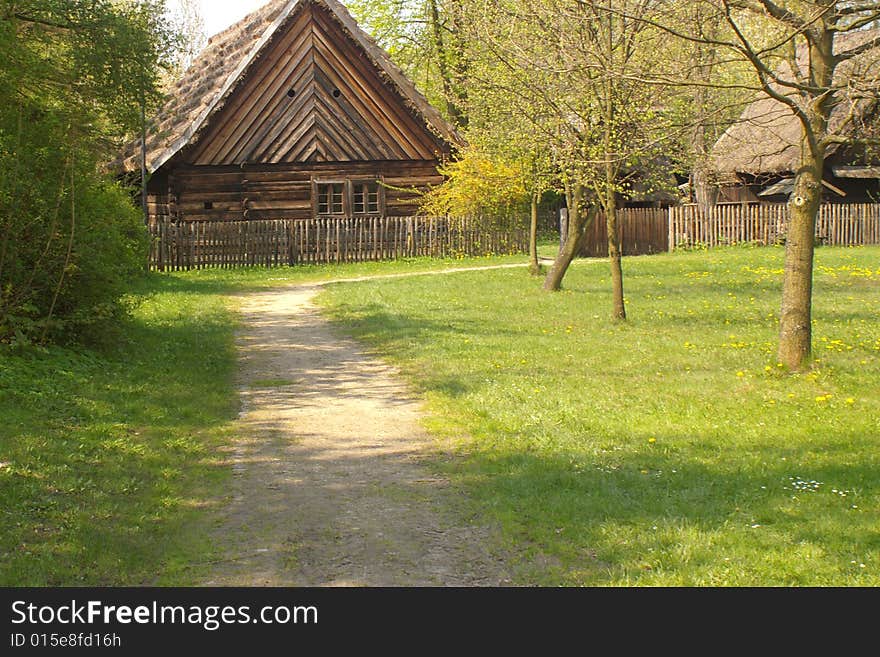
330	488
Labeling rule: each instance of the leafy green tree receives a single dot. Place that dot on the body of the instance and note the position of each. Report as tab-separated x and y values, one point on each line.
428	40
570	72
815	58
75	78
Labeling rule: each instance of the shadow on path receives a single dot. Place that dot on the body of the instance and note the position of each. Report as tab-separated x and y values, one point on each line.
329	486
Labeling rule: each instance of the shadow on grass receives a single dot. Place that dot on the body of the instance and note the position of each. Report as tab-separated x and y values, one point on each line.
703	505
212	282
111	456
626	519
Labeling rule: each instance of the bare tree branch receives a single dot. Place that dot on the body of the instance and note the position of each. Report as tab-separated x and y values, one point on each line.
859	50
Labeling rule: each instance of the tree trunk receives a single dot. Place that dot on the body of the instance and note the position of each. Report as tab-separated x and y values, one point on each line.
609	194
705	194
616	260
795	321
578	222
795	325
145	207
534	265
447	65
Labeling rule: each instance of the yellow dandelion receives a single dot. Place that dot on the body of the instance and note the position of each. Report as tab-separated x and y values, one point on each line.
652	440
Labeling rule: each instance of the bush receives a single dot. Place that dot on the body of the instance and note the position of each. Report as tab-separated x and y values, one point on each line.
480	185
110	250
70	238
75	77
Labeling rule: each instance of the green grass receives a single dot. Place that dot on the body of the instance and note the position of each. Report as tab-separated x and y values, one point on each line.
112	457
669	450
226	281
659	452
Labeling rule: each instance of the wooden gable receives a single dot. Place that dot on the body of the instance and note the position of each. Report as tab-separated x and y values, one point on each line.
313	96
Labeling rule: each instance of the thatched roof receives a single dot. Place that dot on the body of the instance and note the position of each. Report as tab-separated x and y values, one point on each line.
766	138
225	62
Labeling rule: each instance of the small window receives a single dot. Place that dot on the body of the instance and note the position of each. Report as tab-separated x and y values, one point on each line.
330	199
366	198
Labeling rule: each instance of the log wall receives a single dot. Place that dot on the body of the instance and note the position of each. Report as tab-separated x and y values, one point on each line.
284	191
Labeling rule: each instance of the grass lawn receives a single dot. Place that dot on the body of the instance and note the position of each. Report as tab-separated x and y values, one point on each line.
112	457
225	281
669	450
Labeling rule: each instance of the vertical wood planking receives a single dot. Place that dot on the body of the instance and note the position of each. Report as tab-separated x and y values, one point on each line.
176	245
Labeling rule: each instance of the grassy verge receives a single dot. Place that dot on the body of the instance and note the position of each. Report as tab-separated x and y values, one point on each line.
112	458
109	457
670	450
252	279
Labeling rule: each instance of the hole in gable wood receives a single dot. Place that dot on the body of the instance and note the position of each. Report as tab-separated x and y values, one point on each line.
209	205
291	93
336	93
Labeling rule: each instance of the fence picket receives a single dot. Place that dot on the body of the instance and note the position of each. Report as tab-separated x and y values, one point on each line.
227	244
836	225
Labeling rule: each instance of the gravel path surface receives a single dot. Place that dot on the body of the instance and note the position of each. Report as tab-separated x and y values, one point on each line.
330	486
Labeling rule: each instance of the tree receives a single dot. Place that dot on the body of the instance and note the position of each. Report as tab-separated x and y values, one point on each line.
571	70
189	25
448	24
813	57
427	39
709	102
74	76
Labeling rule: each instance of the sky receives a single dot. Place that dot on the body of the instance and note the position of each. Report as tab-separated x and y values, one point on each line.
220	14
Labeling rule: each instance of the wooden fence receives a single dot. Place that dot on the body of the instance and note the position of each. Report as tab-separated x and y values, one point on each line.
836	225
288	242
646	231
642	231
282	242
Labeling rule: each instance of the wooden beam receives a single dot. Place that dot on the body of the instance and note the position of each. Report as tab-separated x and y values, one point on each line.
834	189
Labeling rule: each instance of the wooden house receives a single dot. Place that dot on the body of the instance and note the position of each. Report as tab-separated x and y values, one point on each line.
755	160
294	112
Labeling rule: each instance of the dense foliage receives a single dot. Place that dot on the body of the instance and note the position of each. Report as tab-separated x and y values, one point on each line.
74	78
621	100
478	184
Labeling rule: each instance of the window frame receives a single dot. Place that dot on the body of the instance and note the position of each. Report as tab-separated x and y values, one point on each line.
369	183
349	187
317	186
